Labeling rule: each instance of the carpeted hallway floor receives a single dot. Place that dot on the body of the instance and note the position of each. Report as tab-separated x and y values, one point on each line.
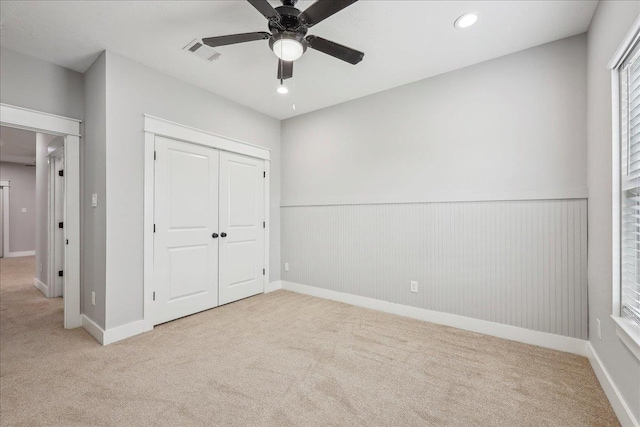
279	359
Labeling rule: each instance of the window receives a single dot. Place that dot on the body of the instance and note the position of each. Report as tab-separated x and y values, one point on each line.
625	75
629	81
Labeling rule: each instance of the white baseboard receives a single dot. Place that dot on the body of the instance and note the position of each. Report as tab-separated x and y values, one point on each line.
41	286
19	254
109	336
273	286
92	327
514	333
125	331
620	407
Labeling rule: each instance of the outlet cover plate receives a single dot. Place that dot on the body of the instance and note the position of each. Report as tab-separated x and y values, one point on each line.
414	286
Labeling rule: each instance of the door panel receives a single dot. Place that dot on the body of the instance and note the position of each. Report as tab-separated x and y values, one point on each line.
186	216
241	218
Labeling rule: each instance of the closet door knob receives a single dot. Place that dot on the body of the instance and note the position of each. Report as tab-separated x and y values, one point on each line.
223	234
214	235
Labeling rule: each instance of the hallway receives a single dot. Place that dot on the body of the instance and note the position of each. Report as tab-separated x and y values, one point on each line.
23	307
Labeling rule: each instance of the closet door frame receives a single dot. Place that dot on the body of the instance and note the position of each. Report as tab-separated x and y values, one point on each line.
154	126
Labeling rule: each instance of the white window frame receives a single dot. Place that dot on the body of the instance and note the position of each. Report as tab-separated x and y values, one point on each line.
628	331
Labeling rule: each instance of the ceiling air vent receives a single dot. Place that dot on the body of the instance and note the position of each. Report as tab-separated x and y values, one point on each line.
202	51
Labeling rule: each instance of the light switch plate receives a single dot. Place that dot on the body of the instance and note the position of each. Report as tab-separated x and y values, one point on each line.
94	200
24	210
414	286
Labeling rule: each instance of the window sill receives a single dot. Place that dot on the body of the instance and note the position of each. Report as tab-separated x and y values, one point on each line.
629	332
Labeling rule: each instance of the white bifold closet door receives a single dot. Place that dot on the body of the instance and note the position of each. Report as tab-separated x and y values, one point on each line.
186	218
209	244
242	222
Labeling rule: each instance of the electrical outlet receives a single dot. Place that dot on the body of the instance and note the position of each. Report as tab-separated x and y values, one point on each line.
599	328
414	286
286	266
94	200
93	298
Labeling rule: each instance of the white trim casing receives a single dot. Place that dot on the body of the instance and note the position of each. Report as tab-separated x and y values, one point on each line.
162	127
37	121
620	407
92	327
513	333
442	197
267	228
615	196
114	334
41	286
273	286
149	187
125	331
20	254
629	333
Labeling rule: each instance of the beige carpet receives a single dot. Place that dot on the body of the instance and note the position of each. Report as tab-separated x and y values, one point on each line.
279	359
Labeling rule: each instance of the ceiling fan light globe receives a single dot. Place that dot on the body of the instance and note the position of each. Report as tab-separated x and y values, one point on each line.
288	49
282	90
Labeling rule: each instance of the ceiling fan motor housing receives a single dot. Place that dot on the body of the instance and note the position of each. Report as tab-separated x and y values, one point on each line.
289	26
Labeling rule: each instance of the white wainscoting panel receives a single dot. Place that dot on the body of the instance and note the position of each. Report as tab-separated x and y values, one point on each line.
519	263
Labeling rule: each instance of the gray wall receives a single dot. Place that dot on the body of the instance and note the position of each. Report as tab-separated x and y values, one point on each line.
134	90
609	26
93	173
22	232
513	128
39	85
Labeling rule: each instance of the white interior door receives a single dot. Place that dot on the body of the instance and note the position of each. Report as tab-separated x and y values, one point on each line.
59	235
241	221
186	226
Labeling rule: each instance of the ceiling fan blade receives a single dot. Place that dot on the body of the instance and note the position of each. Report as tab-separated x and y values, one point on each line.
322	9
336	50
285	69
266	9
235	38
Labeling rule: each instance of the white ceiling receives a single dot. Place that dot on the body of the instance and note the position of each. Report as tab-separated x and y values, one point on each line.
403	41
17	146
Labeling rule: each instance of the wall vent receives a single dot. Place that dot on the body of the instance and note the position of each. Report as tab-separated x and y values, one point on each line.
202	51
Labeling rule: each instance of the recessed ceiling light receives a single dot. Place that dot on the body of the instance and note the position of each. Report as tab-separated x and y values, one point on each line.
282	89
466	20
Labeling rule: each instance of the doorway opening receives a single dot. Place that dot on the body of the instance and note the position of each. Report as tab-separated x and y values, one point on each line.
56	202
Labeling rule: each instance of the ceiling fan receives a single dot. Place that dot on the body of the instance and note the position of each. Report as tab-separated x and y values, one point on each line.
288	27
